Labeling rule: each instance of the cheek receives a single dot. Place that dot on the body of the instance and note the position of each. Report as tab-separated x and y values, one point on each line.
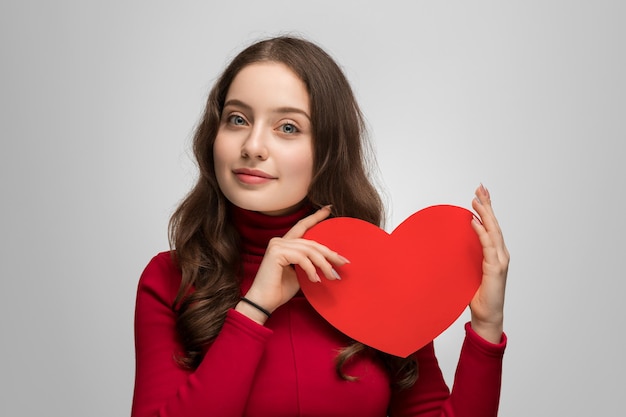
301	167
220	152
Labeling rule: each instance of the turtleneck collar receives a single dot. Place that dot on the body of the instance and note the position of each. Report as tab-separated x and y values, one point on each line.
256	229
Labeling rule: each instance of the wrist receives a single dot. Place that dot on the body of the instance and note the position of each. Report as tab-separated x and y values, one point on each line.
490	331
251	312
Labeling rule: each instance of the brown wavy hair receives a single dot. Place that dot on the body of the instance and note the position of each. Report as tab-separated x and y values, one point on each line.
201	234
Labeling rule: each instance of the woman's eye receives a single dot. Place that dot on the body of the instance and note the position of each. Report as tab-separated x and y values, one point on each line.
237	120
288	128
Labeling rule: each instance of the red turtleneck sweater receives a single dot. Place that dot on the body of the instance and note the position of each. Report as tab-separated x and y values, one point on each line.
286	368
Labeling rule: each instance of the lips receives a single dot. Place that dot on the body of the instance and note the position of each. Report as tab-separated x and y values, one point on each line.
253	176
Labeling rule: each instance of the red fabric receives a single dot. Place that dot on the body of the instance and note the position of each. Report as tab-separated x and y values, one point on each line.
286	368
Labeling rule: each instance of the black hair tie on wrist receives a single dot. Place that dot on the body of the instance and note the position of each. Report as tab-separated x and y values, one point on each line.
258	307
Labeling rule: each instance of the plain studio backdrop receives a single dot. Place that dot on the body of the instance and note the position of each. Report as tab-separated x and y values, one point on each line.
99	101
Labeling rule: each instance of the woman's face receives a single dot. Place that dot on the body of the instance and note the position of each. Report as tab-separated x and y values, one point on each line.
263	152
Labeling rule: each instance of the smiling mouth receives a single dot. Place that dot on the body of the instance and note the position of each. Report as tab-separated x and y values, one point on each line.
252	176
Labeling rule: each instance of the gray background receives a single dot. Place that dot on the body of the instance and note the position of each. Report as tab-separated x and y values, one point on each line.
99	100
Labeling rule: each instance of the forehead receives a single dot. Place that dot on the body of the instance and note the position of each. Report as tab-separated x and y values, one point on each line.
269	85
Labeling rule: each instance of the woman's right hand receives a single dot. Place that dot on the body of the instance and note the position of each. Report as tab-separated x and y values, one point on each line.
276	282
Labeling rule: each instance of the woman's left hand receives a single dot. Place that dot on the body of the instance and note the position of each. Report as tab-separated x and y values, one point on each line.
487	306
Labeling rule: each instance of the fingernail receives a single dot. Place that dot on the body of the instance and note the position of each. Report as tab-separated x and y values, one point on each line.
327	207
335	274
317	278
478	200
485	190
343	259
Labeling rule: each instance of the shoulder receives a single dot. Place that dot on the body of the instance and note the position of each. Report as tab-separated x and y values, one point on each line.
161	277
163	261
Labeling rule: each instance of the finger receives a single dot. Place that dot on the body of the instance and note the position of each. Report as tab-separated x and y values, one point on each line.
300	228
490	253
319	255
494	249
309	269
323	259
486	217
489	238
325	252
482	205
288	253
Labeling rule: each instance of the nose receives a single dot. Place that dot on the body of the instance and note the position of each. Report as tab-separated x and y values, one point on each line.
255	145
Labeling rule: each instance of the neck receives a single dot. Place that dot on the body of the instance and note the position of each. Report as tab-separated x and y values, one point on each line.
256	229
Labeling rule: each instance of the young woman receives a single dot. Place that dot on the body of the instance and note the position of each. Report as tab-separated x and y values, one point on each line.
221	327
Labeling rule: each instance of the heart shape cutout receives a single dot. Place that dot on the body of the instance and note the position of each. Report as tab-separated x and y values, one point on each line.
400	290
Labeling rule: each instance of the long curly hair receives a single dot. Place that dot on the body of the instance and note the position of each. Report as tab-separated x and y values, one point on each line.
201	234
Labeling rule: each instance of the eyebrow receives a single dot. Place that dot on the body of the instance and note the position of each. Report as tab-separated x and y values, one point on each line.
281	110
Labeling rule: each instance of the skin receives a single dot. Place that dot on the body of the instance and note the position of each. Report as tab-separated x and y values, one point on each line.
263	151
265	130
487	306
254	133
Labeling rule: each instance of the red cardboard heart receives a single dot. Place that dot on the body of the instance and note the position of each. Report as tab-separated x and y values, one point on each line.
400	290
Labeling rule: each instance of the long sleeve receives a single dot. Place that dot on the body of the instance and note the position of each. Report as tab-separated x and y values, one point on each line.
219	386
287	368
476	388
